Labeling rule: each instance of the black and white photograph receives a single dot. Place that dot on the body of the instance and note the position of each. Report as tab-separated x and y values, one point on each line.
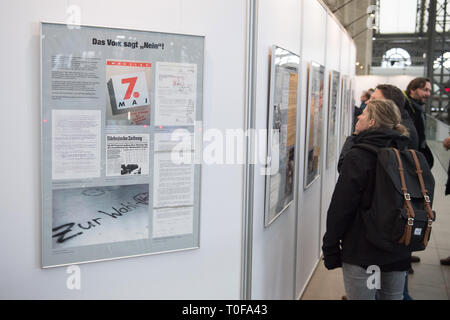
98	215
130	169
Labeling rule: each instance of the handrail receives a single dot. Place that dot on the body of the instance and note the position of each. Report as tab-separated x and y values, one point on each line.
436	131
434	118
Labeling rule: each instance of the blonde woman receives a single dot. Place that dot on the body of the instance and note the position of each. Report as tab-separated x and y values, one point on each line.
344	243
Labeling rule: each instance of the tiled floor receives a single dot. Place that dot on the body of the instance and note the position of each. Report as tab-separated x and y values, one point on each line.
430	281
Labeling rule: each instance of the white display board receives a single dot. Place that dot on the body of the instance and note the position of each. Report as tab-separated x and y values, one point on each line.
334	86
117	180
314	123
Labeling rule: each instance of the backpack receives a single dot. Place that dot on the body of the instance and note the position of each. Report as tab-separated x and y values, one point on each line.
400	217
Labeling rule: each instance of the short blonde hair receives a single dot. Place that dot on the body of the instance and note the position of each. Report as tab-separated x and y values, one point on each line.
386	115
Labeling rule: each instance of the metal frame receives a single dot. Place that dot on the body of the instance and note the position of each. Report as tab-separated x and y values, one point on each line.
197	174
249	167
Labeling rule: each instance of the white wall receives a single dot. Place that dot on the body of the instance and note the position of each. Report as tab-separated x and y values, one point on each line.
365	82
286	252
326	42
416	71
314	30
274	246
211	272
333	62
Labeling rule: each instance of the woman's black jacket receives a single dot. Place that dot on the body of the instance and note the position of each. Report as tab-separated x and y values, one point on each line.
345	240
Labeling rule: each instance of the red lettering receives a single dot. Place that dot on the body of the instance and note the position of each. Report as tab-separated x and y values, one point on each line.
132	83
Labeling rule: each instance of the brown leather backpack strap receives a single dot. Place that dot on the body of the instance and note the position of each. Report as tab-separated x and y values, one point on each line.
426	198
424	191
406	238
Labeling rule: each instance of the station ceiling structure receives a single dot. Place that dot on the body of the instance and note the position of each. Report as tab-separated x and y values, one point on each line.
405	33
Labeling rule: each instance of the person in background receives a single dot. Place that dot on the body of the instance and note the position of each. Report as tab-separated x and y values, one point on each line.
344	243
386	91
417	94
446	143
365	96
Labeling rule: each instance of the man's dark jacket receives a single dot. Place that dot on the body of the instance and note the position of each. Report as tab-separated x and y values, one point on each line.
345	239
409	124
416	112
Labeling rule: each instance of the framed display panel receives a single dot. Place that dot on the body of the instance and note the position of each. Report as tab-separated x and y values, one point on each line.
333	108
282	128
349	109
115	180
352	107
314	123
344	111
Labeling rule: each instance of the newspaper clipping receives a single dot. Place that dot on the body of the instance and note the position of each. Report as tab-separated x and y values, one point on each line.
127	154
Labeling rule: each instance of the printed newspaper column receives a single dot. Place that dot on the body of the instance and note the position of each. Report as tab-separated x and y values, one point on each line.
76	144
127	154
173	187
170	222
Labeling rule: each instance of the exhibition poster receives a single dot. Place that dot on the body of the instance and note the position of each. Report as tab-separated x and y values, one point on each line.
347	109
314	121
111	101
333	101
344	111
282	120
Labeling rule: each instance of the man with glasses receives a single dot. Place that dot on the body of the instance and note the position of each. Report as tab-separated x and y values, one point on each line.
417	94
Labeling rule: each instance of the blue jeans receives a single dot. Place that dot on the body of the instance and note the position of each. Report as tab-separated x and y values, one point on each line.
391	284
406	295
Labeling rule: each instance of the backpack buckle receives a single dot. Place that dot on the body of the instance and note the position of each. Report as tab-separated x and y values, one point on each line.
430	222
407	196
427	198
410	221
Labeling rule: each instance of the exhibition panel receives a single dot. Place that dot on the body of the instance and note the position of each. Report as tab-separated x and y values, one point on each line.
334	82
118	170
273	255
314	123
282	132
346	109
335	34
179	274
314	49
134	132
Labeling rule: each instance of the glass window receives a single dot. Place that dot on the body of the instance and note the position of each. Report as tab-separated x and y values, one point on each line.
443	60
396	58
